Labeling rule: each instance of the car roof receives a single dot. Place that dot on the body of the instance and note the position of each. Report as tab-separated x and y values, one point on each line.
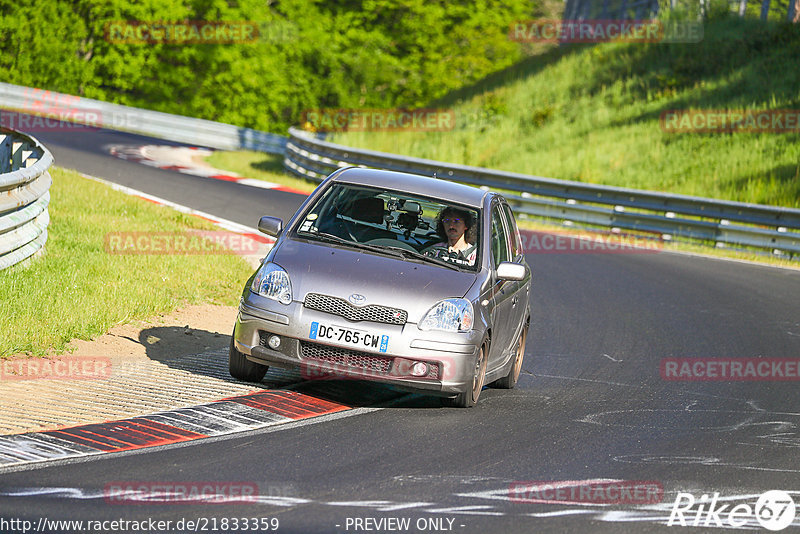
415	184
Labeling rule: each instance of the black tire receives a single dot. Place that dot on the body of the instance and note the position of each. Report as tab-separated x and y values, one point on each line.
243	369
510	380
468	399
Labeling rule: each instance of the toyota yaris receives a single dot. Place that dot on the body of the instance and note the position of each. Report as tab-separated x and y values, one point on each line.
402	279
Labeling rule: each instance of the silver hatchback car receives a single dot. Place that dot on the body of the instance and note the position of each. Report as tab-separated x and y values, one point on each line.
402	279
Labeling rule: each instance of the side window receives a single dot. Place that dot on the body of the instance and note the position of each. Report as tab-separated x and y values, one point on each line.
500	244
516	239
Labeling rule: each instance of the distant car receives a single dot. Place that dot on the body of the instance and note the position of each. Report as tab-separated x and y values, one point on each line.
363	283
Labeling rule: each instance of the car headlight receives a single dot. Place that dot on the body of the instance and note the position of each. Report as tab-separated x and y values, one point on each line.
450	315
272	281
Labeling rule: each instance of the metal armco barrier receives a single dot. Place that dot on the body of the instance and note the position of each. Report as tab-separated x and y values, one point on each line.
666	215
96	113
24	196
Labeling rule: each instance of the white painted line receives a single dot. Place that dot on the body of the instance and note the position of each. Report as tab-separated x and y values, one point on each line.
252	182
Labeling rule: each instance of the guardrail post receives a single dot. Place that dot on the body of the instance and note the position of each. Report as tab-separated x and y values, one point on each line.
5	153
16	155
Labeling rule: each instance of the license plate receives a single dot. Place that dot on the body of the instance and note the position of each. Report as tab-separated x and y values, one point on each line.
348	336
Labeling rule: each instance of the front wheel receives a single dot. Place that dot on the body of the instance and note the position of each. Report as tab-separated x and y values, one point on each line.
242	368
510	380
469	398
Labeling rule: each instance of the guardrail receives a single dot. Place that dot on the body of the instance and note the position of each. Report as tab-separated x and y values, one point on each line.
96	113
24	196
667	215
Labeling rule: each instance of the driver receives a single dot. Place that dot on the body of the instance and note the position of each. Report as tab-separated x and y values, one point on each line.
456	228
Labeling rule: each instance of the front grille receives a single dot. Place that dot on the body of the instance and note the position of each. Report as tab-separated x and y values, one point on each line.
353	360
434	372
344	358
342	308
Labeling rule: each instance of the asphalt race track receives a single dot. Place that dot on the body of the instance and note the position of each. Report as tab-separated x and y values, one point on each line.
591	409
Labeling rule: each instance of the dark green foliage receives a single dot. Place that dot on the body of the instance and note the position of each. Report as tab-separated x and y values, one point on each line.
311	54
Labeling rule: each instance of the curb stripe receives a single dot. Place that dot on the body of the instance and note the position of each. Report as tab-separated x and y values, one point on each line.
227	416
295	408
217	423
139	154
123	435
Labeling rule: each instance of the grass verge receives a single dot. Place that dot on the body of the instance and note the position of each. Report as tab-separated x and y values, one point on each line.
78	290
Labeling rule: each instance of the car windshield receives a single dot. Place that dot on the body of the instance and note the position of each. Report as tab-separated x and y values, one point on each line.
393	223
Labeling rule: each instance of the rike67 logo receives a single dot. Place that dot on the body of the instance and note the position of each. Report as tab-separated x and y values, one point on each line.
774	510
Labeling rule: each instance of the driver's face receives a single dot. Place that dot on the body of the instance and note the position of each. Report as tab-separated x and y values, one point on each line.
454	226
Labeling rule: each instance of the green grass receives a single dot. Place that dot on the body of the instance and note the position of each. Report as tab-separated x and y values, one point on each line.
591	114
78	290
260	166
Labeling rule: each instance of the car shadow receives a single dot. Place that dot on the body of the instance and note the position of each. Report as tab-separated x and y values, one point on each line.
205	353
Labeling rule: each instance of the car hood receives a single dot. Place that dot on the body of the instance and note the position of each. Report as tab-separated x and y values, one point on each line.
382	280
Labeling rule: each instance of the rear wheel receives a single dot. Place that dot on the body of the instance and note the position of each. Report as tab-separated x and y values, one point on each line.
510	380
242	368
469	398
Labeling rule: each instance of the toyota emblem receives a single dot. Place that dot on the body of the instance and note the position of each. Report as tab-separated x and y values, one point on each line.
357	300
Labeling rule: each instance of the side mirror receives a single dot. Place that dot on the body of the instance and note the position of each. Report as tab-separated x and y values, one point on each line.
270	225
511	271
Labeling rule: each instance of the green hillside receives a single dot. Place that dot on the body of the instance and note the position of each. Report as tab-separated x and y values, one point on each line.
592	113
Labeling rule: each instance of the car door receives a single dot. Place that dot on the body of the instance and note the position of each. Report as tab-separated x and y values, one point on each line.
520	303
504	292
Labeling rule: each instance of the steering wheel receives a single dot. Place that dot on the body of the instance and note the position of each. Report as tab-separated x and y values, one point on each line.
437	251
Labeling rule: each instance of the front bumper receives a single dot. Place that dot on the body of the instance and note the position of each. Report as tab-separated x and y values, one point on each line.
450	355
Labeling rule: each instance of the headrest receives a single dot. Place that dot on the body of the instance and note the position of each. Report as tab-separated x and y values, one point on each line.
368	210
